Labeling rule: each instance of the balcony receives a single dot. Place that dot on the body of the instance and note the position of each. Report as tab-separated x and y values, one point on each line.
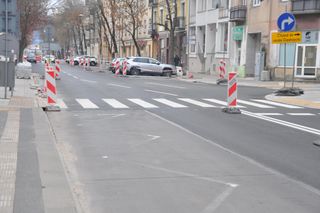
305	6
238	13
180	23
223	13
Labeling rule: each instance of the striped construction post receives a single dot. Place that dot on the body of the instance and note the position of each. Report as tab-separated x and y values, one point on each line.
58	69
117	67
51	91
232	94
222	72
125	67
222	69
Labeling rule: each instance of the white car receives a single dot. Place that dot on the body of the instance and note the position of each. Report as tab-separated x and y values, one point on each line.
145	65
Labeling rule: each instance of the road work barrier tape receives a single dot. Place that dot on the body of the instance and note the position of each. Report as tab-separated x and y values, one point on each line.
58	69
117	67
232	94
125	67
190	75
51	87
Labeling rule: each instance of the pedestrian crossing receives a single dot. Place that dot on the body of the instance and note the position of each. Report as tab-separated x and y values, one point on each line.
176	103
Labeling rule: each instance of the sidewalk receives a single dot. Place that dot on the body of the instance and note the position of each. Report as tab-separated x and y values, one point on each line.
32	176
310	98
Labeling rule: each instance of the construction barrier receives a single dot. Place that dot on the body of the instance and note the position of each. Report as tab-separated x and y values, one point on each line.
232	94
58	69
124	67
51	89
117	68
222	72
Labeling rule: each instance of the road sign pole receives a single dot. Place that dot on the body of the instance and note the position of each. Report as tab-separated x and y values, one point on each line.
285	65
294	66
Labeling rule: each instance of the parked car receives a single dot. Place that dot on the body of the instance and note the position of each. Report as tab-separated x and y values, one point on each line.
51	57
93	60
67	60
145	65
31	58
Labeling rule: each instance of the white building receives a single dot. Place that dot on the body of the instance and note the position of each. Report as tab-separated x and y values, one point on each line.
210	37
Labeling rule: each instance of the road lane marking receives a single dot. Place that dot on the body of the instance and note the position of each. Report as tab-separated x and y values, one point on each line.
216	101
255	104
169	103
197	103
142	103
87	104
165	93
115	104
75	77
165	85
248	159
284	123
84	80
268	113
277	104
61	104
118	85
301	114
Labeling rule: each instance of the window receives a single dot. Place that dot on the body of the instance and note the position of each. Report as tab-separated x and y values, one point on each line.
256	3
202	4
223	37
192	39
161	16
152	61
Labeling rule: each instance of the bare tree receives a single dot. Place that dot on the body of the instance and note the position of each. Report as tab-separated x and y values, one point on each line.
171	18
32	15
108	10
133	13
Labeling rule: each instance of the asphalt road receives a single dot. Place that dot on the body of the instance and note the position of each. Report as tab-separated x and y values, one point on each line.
154	144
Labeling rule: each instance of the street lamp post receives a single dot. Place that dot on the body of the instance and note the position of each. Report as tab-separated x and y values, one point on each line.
6	53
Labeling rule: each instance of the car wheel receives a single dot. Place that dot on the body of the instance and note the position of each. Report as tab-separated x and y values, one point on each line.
135	71
167	73
92	63
76	63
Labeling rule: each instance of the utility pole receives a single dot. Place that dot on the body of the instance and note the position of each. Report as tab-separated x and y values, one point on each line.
6	54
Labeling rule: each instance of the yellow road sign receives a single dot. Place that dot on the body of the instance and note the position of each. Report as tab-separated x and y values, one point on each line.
286	37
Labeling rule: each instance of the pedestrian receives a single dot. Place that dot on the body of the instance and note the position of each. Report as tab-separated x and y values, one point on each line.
176	60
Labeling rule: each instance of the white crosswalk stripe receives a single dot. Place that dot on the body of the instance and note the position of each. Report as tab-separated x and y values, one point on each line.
223	103
61	104
301	114
197	103
115	104
255	104
142	103
169	103
277	104
87	104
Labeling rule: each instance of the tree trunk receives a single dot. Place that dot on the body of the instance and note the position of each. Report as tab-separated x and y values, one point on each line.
75	41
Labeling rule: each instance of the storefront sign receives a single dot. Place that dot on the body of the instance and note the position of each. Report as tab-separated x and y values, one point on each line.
286	37
237	33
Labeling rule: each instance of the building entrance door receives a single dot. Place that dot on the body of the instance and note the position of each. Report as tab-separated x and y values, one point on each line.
306	56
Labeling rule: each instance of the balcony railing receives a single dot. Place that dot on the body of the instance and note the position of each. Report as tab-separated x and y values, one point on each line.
238	13
305	6
180	23
223	13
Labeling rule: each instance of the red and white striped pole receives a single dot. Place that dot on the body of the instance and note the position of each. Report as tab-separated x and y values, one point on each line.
51	90
58	69
232	94
222	69
117	67
124	67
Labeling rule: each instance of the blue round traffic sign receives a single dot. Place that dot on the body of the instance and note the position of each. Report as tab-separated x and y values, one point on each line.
286	22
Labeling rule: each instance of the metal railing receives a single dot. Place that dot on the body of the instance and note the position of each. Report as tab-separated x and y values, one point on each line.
238	13
305	6
223	13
